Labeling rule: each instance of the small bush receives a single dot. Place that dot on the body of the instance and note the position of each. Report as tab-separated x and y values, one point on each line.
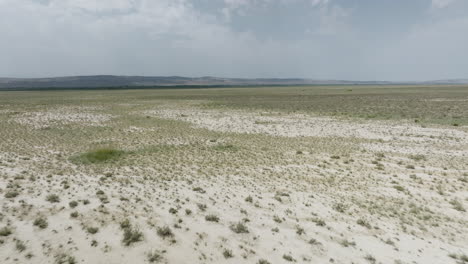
277	219
92	230
41	223
11	194
347	243
131	235
370	258
165	232
125	224
73	204
5	231
227	253
300	230
288	258
319	222
202	207
364	223
339	207
314	241
64	259
212	218
52	198
74	214
239	228
155	256
20	246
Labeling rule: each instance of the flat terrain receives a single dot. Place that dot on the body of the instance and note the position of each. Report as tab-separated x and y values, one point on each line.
319	174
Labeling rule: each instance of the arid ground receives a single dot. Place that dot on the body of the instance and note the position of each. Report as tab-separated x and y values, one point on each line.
319	174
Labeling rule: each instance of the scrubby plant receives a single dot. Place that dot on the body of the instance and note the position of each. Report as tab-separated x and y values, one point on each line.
53	198
165	231
370	258
288	258
339	207
73	204
92	230
154	256
212	218
20	246
125	224
64	259
5	231
364	223
74	214
11	194
239	228
41	222
227	253
131	235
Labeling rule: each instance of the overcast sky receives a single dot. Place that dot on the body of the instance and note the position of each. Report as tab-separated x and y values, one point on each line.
321	39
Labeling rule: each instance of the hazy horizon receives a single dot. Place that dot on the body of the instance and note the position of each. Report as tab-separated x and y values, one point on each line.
363	40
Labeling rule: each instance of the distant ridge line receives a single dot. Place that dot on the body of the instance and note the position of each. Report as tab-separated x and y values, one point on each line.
122	82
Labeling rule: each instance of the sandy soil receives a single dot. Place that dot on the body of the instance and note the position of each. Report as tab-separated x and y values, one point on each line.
363	192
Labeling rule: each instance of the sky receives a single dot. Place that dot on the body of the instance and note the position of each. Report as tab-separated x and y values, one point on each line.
394	40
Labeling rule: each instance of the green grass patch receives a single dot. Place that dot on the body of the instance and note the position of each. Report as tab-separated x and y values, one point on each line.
99	155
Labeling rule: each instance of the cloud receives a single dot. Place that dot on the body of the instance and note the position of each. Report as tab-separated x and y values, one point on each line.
436	4
165	37
264	38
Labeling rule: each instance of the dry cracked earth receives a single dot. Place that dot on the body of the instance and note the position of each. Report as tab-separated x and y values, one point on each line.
157	181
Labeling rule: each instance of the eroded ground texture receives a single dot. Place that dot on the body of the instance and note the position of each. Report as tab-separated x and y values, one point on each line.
163	177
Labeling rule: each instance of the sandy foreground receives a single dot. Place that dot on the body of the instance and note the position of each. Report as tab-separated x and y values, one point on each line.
230	186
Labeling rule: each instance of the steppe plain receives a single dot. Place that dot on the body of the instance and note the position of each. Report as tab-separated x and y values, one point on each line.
308	174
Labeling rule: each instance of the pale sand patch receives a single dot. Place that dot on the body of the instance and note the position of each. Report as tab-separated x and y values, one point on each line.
63	116
302	125
413	225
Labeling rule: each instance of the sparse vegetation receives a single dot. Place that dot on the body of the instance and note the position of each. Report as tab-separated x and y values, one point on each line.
132	235
5	231
258	175
164	232
227	253
239	228
92	230
53	198
212	218
41	222
11	194
364	223
155	256
20	246
63	258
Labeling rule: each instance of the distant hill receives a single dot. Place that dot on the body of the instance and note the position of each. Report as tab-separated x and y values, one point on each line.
108	81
